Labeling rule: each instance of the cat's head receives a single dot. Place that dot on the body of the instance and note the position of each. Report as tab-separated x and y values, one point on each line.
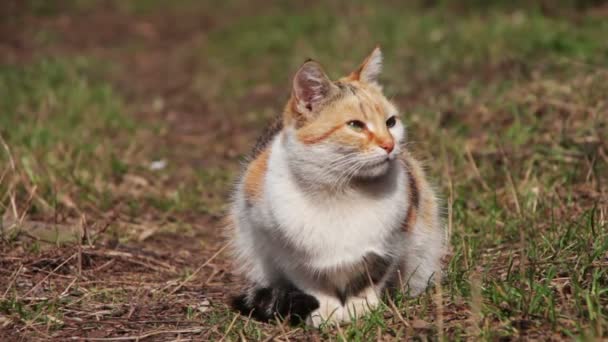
345	129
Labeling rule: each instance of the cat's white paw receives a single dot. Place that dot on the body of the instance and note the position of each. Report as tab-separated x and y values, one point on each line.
360	305
332	312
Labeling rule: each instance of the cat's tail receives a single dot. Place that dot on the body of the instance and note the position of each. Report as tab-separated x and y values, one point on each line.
264	304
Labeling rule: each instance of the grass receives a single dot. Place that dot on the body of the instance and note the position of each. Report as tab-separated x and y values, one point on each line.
52	149
504	102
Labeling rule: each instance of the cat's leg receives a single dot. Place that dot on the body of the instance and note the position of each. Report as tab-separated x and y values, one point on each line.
422	259
359	305
356	291
334	311
330	311
282	301
270	295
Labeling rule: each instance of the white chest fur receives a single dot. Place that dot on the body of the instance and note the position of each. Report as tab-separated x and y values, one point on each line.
333	230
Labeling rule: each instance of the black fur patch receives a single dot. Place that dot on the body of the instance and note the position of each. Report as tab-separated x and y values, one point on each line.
284	302
269	133
375	268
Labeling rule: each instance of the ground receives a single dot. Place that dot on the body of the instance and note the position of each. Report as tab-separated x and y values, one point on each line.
123	126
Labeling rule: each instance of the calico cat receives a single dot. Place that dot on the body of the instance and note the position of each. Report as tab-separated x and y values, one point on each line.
332	210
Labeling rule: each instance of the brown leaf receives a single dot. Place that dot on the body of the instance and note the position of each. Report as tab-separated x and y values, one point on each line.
420	324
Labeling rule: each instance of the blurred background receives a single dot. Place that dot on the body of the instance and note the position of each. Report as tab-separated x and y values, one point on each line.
123	126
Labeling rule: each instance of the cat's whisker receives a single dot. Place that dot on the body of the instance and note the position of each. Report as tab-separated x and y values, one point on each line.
358	164
348	174
337	166
339	182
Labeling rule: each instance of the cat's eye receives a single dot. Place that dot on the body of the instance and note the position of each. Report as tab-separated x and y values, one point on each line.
356	125
390	123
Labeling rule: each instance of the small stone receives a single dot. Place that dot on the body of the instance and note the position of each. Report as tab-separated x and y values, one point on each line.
158	165
204	306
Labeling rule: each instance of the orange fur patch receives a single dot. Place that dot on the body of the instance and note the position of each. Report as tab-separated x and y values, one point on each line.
426	205
358	101
410	219
310	139
254	176
414	193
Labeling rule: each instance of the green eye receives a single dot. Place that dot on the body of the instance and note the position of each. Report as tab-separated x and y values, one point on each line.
356	125
390	123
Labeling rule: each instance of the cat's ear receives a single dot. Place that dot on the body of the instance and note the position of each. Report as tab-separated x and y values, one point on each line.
370	68
311	87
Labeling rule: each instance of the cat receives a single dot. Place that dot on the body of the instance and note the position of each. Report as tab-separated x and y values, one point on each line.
332	210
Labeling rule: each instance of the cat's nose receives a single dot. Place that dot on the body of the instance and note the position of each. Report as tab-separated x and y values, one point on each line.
388	145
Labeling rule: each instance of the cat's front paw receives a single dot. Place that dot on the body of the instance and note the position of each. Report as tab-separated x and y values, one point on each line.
265	303
363	303
298	306
332	312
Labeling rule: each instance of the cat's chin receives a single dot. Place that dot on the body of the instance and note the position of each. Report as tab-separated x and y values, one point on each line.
375	170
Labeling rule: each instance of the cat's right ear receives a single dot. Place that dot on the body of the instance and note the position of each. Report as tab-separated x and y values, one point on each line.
311	87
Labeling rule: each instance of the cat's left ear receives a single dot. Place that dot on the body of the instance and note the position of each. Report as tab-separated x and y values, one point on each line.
370	68
311	87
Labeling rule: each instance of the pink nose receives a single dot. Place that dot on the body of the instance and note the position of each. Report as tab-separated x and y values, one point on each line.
388	145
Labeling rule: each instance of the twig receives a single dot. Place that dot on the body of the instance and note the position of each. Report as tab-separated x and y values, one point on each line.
79	259
104	266
132	258
248	320
603	154
393	307
86	236
340	332
48	275
27	203
511	183
4	173
212	275
188	278
14	207
484	185
439	303
284	333
476	305
30	324
103	229
8	151
13	278
229	327
139	337
272	337
448	174
65	292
